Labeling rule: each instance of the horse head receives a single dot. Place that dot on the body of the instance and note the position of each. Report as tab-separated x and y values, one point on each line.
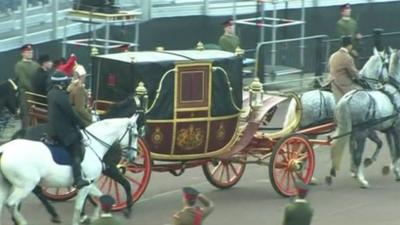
394	62
375	69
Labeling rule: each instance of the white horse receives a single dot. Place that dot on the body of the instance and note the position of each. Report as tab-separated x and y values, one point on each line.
26	164
318	106
360	112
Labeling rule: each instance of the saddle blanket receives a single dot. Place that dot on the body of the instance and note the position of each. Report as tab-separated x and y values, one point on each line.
60	154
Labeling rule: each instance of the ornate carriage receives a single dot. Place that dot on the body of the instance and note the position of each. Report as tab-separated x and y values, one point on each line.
197	114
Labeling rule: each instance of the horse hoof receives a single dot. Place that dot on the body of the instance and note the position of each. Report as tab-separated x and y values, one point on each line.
333	172
367	162
313	181
364	186
328	180
127	213
385	170
85	220
55	219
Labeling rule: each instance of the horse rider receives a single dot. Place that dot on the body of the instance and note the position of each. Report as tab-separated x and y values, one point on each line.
229	41
106	218
299	212
24	71
344	74
63	123
192	214
78	95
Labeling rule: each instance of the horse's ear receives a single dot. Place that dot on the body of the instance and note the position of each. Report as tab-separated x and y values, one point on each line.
134	118
376	51
390	50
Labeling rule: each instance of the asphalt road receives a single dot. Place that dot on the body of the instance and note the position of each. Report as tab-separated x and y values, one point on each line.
253	200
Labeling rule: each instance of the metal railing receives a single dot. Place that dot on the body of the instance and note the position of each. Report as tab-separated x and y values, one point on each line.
292	55
365	46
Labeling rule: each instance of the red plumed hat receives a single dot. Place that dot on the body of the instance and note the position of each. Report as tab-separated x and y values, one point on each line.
68	67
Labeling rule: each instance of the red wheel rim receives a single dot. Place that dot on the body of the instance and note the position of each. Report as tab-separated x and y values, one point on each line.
59	194
137	174
225	173
294	160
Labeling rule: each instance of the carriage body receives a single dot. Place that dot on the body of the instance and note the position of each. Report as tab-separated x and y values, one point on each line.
195	98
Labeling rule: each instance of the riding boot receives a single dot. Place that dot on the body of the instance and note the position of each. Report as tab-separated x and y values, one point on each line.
76	170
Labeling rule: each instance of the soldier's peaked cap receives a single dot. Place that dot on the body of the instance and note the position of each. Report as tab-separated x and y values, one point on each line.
26	47
345	6
190	193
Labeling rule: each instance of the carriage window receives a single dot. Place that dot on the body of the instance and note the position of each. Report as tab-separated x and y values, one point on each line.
193	86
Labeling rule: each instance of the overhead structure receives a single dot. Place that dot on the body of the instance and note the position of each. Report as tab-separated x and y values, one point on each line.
105	20
273	23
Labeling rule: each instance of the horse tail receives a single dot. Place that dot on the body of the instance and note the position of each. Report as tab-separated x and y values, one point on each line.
343	130
291	113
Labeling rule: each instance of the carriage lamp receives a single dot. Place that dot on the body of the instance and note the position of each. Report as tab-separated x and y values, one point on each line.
94	51
200	46
141	93
239	51
160	49
256	94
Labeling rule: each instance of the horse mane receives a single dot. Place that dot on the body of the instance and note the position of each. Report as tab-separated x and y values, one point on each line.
394	64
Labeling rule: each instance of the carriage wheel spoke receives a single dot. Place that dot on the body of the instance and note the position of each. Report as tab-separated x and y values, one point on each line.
104	183
228	174
110	185
222	172
282	178
117	195
216	168
234	170
133	180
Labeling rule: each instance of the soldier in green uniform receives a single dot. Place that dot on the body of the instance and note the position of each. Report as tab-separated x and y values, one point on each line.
191	214
24	71
229	41
347	26
299	212
106	218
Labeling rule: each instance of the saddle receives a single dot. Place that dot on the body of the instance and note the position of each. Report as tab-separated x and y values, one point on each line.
58	151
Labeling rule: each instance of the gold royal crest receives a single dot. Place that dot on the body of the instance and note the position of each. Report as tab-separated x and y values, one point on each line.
190	138
157	137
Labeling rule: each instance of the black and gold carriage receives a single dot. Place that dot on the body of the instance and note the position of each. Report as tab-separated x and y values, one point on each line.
197	114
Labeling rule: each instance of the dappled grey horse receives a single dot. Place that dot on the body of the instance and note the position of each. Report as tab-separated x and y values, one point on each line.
363	111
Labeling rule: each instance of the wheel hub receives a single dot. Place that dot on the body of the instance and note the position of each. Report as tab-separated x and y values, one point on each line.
121	168
295	165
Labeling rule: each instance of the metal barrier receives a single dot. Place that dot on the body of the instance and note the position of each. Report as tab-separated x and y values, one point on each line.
291	57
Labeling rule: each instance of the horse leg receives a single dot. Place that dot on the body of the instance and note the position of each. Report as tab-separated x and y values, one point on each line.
113	172
357	153
95	191
395	153
15	199
50	209
374	138
80	200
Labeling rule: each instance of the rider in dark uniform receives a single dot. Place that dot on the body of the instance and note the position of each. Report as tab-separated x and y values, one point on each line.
64	124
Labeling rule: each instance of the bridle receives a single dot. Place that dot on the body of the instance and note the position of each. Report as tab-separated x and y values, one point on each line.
128	131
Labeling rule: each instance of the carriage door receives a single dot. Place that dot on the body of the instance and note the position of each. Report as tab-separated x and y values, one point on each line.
192	108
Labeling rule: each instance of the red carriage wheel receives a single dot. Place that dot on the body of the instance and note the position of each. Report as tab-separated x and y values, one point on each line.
137	173
292	159
59	194
225	173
